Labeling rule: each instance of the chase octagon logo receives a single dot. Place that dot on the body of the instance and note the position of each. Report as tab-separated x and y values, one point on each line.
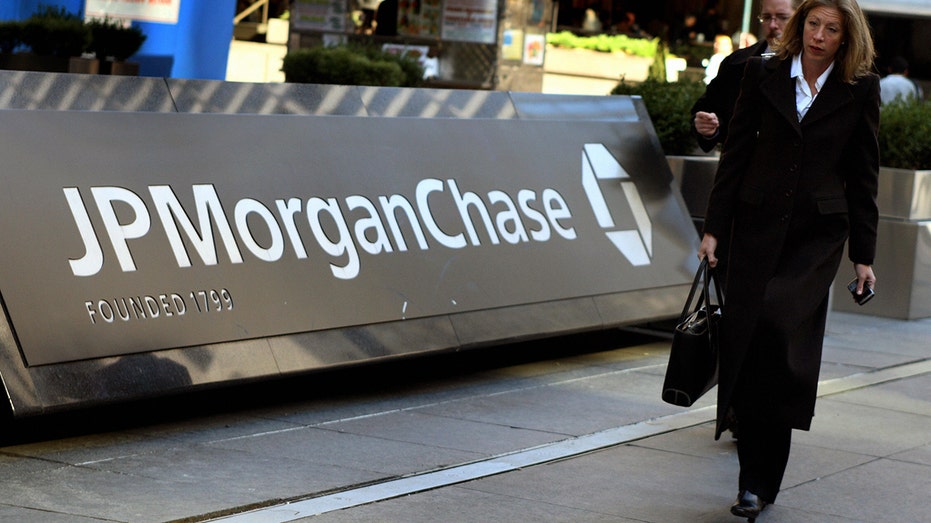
600	166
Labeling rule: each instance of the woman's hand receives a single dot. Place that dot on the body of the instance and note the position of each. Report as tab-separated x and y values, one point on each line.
708	245
865	276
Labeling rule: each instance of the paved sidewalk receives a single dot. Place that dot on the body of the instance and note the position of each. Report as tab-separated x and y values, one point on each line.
867	458
572	438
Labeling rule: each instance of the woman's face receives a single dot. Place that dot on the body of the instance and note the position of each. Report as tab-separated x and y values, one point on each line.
823	34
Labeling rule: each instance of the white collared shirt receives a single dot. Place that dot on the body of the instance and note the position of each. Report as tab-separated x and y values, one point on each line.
803	96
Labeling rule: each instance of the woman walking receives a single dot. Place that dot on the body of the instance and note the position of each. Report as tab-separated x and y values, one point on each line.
797	179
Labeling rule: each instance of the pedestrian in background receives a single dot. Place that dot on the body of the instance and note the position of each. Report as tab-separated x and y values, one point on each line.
897	84
712	112
796	180
723	47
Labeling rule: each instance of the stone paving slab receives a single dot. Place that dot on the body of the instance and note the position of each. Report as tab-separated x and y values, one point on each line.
383	456
865	429
912	395
919	455
15	514
881	490
584	407
838	354
447	432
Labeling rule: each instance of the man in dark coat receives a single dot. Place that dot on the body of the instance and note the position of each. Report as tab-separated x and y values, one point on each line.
712	112
797	180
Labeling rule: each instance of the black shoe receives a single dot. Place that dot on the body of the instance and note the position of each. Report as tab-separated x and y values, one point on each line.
748	505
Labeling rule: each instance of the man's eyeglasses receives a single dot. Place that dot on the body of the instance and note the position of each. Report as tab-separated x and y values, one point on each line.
767	18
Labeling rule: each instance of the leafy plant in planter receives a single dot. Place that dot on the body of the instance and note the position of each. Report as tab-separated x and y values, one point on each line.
111	40
351	65
905	135
55	32
605	43
669	105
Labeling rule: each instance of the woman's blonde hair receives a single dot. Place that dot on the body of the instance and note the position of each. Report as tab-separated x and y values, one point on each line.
854	58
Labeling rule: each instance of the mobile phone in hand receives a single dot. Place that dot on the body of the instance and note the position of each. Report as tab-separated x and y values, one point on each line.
861	299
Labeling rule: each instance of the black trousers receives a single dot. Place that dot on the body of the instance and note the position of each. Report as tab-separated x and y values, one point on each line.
763	451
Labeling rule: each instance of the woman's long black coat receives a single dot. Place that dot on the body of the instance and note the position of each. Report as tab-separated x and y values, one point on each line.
788	194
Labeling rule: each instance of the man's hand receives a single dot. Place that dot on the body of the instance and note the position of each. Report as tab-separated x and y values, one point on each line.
706	124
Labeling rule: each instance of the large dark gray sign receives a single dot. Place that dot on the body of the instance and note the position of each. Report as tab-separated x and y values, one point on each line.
161	235
135	232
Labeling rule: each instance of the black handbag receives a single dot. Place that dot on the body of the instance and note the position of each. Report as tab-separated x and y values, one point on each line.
693	358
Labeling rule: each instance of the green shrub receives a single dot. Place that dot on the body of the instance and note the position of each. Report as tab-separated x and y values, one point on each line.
604	43
55	32
10	36
413	71
669	105
110	39
905	135
351	65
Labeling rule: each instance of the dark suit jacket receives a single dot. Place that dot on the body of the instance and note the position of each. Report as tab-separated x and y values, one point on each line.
721	94
789	194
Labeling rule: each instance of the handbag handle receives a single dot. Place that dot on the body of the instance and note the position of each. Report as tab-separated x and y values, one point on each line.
705	276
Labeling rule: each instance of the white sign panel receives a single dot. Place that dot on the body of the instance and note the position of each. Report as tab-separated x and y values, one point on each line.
319	15
163	11
470	21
